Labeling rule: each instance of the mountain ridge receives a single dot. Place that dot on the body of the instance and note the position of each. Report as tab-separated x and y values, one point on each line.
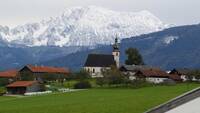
81	26
176	47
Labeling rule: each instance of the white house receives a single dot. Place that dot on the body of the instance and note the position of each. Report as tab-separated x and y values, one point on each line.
150	74
154	76
130	70
95	63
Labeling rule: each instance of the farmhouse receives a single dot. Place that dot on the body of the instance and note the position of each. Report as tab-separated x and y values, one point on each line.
141	71
153	76
95	63
41	73
11	75
183	73
21	87
130	70
150	74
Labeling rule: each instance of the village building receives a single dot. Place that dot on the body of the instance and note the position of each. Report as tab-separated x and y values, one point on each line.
149	73
183	73
130	70
40	73
22	87
157	76
153	76
96	63
11	75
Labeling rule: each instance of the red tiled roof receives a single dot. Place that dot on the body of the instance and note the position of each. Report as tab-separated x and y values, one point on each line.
46	69
159	73
21	83
154	73
8	74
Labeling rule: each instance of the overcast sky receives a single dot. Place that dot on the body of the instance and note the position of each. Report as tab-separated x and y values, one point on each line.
180	12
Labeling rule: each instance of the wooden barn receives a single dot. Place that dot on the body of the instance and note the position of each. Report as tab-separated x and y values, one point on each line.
10	75
42	73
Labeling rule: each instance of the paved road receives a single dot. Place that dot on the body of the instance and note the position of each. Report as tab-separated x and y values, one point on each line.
190	107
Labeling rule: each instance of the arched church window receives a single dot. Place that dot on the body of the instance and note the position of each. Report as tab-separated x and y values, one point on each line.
93	70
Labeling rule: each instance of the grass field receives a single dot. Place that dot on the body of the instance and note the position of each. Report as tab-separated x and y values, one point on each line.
95	100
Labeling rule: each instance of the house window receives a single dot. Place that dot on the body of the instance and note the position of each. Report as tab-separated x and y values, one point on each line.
116	54
93	70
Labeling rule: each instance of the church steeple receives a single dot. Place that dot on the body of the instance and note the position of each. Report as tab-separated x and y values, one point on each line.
116	45
116	51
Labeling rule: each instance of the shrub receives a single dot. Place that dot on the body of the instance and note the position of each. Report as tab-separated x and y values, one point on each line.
100	81
111	77
2	91
82	85
54	89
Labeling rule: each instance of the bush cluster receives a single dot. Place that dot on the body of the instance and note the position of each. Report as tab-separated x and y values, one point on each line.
2	91
82	85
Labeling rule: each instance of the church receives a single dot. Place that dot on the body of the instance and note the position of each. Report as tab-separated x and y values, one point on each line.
95	63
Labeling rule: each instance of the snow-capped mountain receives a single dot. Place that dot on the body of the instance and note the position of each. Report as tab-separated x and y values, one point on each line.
82	26
176	47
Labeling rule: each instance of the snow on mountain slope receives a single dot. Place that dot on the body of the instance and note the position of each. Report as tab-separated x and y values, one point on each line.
82	26
170	39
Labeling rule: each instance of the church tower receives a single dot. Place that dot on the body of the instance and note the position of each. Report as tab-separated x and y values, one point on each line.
116	52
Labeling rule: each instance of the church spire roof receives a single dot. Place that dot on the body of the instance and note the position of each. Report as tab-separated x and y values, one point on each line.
116	44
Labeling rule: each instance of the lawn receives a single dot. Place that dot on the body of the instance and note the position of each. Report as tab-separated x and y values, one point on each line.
95	100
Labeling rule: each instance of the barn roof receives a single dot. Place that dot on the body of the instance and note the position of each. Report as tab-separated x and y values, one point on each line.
158	74
99	60
9	73
21	83
46	69
136	67
154	73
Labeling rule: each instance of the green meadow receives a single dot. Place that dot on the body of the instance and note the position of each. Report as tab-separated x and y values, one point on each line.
113	100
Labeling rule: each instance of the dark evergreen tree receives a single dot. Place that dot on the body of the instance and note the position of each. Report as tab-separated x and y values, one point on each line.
133	57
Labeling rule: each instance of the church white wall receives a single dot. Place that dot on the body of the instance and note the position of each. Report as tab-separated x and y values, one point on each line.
95	71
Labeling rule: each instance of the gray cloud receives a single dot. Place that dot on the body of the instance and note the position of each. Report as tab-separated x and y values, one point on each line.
14	12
